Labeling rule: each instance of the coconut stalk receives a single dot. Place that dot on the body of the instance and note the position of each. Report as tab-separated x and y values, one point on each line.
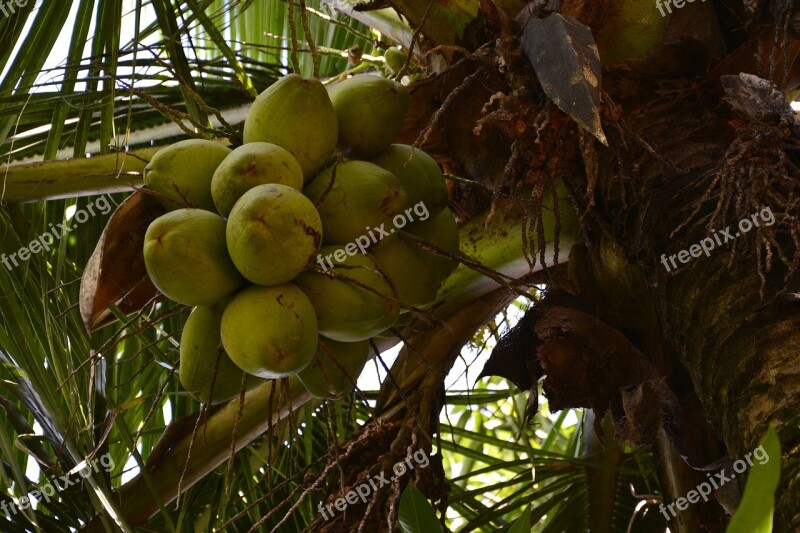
142	497
630	28
51	180
496	241
386	20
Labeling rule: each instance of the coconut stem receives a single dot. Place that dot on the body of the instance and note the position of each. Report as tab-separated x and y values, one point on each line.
74	177
309	38
293	39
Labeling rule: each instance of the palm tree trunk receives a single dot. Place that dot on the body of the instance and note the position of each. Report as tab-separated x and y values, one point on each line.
675	154
724	317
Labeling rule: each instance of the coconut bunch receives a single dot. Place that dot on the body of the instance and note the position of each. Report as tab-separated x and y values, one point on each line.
290	246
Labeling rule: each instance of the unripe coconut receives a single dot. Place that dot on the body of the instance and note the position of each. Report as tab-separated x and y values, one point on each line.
182	173
250	165
200	348
273	233
327	380
362	195
440	231
404	320
270	332
187	259
296	114
414	276
419	174
371	111
346	311
394	58
415	273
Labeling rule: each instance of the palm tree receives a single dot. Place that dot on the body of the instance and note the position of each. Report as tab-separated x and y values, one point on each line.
578	179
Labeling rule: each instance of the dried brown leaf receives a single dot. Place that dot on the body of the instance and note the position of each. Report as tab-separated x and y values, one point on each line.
564	56
115	274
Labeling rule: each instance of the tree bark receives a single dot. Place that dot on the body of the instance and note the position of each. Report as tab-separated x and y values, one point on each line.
741	350
676	153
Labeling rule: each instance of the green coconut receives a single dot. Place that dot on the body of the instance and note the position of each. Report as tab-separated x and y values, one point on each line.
201	345
347	311
273	233
440	231
362	196
414	277
632	29
335	368
270	332
415	273
181	173
395	58
187	259
370	111
419	174
250	165
403	321
296	114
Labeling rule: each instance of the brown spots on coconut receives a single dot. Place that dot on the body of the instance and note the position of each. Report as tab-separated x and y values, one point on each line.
268	234
270	332
363	194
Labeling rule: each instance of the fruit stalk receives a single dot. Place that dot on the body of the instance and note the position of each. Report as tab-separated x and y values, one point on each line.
496	242
211	448
52	180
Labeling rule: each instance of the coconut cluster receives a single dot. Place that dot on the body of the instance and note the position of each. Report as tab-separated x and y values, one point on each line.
276	242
